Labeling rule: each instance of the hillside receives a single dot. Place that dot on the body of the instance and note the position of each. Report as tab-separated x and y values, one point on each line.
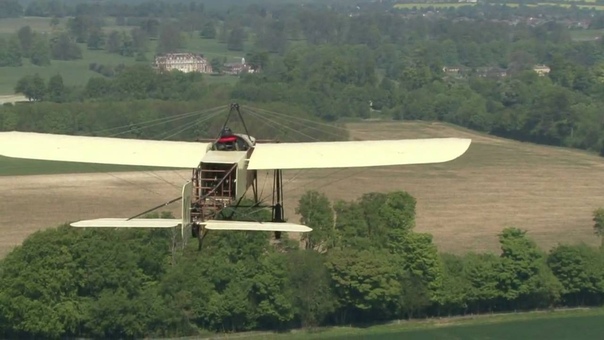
465	203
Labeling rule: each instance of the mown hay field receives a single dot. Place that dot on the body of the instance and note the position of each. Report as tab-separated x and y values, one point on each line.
551	192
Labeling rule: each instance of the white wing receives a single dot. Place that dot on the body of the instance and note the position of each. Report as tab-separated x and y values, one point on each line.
356	153
125	223
101	150
255	226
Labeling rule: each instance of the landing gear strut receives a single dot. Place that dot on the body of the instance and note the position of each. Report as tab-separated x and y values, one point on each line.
278	200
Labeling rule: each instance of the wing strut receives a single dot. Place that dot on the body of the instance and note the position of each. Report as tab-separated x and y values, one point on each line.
155	208
278	199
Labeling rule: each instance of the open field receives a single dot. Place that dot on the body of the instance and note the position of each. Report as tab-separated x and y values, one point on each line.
549	191
76	72
434	5
561	324
465	203
42	25
461	4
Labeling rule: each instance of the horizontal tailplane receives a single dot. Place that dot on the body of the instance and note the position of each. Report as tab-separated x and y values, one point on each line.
255	226
126	223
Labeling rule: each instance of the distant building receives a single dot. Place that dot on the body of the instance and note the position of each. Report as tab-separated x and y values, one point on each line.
542	70
238	68
184	62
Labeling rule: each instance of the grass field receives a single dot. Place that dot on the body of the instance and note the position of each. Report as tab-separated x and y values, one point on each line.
420	5
76	72
536	325
465	203
435	5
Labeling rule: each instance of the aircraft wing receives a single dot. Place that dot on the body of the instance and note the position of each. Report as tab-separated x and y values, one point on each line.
255	226
101	150
348	154
125	223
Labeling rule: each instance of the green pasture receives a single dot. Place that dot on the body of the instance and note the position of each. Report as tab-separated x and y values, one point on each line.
571	324
435	5
76	72
460	4
42	25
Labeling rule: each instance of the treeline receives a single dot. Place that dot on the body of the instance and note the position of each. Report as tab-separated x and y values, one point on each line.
474	73
477	74
67	44
200	118
368	265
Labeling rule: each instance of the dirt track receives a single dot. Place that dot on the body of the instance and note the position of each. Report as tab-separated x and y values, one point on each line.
12	99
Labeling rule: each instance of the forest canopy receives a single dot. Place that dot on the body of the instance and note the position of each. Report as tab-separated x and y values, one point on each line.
362	263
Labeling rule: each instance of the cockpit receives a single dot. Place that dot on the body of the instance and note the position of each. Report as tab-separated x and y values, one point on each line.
230	141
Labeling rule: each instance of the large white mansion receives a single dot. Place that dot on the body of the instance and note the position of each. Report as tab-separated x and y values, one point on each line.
184	62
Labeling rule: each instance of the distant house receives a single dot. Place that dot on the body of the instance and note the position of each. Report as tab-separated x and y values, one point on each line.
184	62
238	68
541	70
491	72
451	69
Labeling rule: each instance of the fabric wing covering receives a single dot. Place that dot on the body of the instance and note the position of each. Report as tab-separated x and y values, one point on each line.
101	150
349	154
125	223
256	226
171	223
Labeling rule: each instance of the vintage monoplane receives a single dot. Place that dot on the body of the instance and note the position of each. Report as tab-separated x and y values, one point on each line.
224	168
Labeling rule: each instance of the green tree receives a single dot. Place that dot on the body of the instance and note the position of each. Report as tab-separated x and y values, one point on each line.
482	274
56	89
40	52
316	212
170	39
114	42
26	39
414	297
366	283
309	281
598	219
217	65
51	307
455	287
139	39
525	281
272	291
580	270
63	48
236	39
96	39
418	255
31	86
10	52
208	31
